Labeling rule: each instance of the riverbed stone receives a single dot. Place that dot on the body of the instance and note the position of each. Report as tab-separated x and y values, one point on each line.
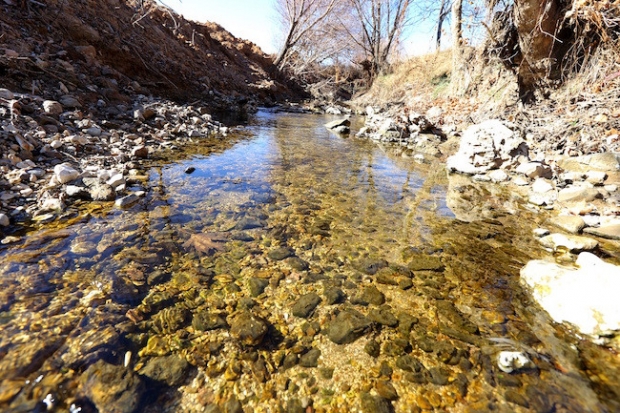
574	243
586	296
311	358
605	231
304	307
280	253
52	107
112	388
4	220
569	223
257	286
578	194
606	162
171	370
206	321
534	170
101	192
248	328
374	404
383	316
348	326
65	173
368	295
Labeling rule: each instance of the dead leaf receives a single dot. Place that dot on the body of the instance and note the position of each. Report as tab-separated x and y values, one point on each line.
206	242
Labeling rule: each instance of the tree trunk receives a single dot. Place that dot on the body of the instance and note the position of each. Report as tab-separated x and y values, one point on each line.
537	22
459	71
440	19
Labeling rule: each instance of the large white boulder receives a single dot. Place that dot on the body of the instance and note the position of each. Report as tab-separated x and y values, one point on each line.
585	296
488	145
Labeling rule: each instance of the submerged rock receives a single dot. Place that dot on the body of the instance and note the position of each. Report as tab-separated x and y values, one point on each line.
586	296
248	328
111	388
348	326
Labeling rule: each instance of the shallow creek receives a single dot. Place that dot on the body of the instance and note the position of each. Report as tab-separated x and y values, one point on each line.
293	270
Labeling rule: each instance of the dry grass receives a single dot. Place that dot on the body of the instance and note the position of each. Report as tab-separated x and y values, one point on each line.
427	75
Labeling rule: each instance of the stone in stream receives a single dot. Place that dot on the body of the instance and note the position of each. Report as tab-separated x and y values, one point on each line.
248	223
206	321
368	295
348	326
102	192
574	243
305	305
578	194
605	231
586	297
572	224
248	328
128	200
374	404
257	286
383	317
171	370
339	125
111	388
386	390
311	358
280	253
409	363
334	296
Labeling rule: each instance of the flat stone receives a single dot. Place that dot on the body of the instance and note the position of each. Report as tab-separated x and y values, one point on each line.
127	201
171	370
348	326
280	253
257	286
605	231
368	295
606	162
578	194
572	224
574	243
337	123
304	307
70	102
542	186
586	296
534	170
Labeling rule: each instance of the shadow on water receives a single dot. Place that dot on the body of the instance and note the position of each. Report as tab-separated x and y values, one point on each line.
292	267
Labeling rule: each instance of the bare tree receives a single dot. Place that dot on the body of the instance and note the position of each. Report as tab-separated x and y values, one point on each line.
300	18
458	61
380	24
444	10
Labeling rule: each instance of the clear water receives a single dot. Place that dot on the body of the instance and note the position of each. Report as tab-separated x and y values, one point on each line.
280	210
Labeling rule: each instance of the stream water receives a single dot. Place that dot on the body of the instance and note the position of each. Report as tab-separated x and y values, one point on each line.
293	270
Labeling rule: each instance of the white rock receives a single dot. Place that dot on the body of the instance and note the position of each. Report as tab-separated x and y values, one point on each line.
485	146
520	181
56	144
333	111
4	220
611	188
481	178
509	361
51	107
498	175
586	297
6	94
541	232
65	173
542	186
116	180
534	170
596	177
573	243
127	201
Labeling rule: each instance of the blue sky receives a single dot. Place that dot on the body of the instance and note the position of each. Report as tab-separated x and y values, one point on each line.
256	20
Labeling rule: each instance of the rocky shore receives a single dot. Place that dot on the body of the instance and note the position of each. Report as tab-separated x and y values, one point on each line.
578	193
56	153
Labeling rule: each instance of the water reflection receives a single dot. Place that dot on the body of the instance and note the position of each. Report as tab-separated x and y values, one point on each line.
235	285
